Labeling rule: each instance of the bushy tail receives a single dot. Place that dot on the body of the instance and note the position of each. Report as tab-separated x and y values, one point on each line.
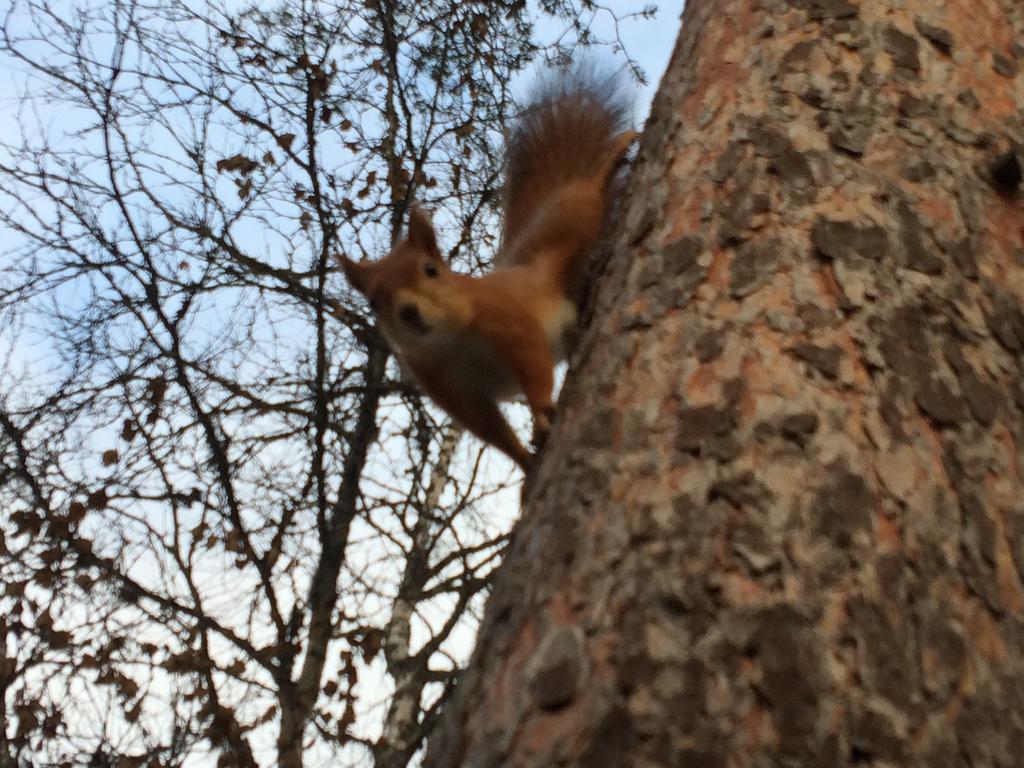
575	127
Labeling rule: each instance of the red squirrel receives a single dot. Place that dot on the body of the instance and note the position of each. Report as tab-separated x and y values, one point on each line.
473	341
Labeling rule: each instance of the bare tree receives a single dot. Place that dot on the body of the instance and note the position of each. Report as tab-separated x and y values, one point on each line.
780	518
230	523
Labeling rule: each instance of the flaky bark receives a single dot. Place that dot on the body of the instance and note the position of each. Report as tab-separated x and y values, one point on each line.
780	520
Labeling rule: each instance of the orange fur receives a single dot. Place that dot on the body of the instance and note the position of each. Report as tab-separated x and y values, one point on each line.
470	342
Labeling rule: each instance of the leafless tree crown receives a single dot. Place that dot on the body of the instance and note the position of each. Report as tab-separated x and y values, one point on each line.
231	528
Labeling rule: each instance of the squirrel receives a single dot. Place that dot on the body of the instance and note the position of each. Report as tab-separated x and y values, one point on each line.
470	342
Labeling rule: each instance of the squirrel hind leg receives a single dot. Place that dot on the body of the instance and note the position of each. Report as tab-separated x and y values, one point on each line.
623	141
620	145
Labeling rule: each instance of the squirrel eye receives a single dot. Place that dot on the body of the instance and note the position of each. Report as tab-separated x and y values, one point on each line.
373	304
430	269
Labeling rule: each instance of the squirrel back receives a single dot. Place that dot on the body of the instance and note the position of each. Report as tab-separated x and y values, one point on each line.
559	156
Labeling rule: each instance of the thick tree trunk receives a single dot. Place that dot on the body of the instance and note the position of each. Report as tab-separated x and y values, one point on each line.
780	520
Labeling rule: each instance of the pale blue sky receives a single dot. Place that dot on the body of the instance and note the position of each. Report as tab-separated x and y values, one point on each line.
650	43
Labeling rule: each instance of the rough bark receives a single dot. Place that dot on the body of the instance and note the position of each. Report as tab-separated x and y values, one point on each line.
780	520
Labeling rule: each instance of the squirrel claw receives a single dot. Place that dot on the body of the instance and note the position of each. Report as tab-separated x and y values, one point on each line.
541	427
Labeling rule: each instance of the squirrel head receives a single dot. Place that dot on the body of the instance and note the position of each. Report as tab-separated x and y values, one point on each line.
411	289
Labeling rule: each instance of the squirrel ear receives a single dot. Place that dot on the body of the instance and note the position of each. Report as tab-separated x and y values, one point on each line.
355	273
421	232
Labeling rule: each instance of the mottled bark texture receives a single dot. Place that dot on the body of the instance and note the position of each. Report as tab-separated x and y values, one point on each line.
780	520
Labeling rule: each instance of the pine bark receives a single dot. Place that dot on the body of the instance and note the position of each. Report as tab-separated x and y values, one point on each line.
780	520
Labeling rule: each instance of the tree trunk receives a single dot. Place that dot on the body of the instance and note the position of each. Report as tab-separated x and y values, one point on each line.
780	520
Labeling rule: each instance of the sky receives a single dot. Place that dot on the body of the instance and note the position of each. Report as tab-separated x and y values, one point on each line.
650	42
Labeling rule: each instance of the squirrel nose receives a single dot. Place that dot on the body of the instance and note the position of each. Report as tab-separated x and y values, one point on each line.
410	315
